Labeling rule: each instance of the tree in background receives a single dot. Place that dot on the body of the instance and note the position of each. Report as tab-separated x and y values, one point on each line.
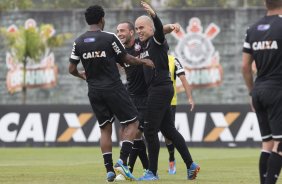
29	45
15	4
124	4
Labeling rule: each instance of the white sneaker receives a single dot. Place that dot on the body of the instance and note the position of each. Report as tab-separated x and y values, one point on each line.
120	177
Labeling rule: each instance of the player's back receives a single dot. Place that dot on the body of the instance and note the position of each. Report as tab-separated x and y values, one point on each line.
264	42
98	53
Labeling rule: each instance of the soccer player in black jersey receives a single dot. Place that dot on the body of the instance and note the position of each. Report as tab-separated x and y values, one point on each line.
137	86
99	51
176	69
263	45
160	92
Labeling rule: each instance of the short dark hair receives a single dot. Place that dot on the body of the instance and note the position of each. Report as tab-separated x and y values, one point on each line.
94	14
129	24
273	4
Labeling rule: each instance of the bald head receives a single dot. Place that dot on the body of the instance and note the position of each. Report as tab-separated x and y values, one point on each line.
144	27
147	20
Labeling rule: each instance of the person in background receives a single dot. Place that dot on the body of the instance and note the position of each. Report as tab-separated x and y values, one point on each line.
176	69
263	45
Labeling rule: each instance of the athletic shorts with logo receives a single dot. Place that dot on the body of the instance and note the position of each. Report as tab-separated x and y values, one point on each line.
268	106
108	103
140	103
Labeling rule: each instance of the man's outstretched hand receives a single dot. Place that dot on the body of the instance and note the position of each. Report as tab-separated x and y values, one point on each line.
148	9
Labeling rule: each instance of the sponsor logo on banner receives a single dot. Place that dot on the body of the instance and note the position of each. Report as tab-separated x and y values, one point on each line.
43	75
64	125
200	59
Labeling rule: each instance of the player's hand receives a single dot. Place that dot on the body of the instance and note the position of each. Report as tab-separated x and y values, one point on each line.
148	9
251	104
192	103
148	62
82	75
175	27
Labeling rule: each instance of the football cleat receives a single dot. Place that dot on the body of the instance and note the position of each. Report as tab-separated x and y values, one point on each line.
122	169
110	176
193	171
172	167
148	176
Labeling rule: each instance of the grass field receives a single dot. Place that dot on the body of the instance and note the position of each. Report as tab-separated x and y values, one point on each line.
80	165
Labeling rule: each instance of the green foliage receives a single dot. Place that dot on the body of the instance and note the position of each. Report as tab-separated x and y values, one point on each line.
77	4
32	42
255	3
58	40
15	4
196	3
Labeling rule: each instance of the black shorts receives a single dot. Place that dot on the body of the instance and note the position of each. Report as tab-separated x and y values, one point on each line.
268	106
140	103
113	102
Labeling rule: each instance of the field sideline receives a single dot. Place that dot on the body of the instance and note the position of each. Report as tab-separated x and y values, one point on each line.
84	165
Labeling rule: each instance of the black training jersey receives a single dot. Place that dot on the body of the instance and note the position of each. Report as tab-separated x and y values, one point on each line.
264	42
136	84
156	49
99	52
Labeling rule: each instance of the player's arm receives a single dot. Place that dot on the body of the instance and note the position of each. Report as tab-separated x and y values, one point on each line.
124	57
180	72
168	28
247	61
246	67
159	36
73	70
188	90
131	60
74	60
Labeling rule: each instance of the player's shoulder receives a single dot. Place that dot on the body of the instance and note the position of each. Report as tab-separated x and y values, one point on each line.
265	23
79	38
108	34
254	26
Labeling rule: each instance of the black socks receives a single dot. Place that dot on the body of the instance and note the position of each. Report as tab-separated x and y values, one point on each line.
170	148
108	161
263	165
125	151
273	168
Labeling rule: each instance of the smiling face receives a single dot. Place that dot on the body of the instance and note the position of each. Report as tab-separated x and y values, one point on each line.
125	34
144	28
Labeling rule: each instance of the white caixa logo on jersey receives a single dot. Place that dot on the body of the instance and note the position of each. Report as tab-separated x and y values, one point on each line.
200	59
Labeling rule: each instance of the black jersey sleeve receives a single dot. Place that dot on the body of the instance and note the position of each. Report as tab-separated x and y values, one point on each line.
159	36
247	44
118	48
179	70
74	58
